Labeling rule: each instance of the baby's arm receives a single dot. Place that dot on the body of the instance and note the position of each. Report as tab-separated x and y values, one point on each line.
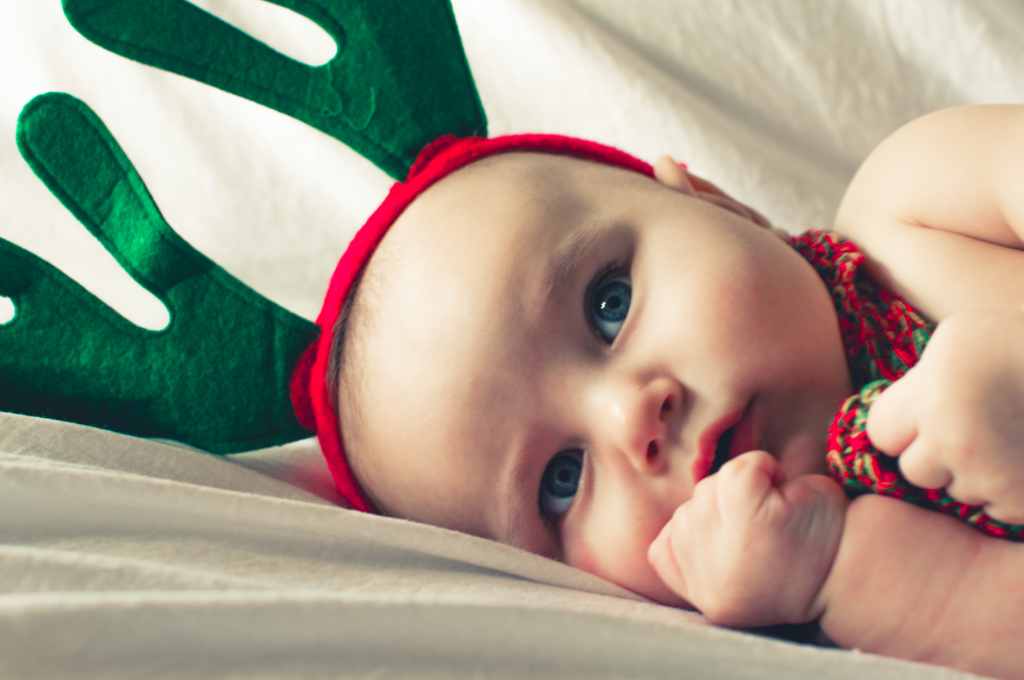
918	585
752	549
937	208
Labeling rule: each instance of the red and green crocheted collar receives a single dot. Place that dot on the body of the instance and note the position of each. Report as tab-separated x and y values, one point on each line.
883	335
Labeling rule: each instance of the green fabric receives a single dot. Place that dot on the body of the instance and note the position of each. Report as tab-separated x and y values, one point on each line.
398	82
216	378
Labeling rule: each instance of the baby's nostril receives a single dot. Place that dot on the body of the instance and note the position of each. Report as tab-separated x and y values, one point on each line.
652	449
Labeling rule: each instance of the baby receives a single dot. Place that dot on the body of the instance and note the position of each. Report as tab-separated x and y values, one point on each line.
553	349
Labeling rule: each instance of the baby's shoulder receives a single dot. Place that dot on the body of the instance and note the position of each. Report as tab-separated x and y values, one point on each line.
936	210
954	170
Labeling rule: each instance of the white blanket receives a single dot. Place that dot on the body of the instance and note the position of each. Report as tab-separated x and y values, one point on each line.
126	558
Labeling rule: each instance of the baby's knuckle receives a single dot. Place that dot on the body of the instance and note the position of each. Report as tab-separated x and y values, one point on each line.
881	423
732	469
683	525
967	496
1009	515
957	329
701	501
724	609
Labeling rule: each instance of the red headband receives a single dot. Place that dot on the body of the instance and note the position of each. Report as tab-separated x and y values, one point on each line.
311	397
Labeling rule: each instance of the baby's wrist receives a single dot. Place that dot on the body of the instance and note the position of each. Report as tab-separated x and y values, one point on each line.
824	537
869	563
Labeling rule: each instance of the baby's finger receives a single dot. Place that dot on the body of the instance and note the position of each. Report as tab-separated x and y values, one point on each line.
1009	513
663	559
892	420
921	465
745	481
966	490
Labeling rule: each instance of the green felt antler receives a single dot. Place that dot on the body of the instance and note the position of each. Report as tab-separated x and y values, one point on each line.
216	378
399	79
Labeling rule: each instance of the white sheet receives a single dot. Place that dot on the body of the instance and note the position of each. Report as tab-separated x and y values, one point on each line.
124	558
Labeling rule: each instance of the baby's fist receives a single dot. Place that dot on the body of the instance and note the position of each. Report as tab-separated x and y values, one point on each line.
750	548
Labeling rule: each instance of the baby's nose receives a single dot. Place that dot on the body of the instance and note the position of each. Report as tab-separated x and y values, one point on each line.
638	422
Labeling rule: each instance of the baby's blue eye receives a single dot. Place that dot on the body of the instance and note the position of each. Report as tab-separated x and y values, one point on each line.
609	306
560	482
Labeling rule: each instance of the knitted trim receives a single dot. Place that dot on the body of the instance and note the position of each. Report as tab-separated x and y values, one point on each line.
882	334
884	337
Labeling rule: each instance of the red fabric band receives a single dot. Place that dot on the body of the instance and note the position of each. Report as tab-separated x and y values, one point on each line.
310	393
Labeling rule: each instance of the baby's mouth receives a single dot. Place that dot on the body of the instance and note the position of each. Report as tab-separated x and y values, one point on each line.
722	451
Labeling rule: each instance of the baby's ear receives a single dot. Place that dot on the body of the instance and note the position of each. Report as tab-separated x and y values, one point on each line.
673	175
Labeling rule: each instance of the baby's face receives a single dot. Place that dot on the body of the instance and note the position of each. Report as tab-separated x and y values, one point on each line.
560	347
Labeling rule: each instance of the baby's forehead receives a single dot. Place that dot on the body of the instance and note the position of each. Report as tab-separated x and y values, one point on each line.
510	190
521	170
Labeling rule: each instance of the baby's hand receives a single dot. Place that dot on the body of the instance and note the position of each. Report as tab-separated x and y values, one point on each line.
750	548
956	419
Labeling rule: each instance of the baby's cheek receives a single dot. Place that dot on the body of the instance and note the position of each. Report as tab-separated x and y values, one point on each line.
623	562
580	554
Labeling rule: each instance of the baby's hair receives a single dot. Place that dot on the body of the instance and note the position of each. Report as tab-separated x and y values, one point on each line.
354	320
346	364
344	369
336	360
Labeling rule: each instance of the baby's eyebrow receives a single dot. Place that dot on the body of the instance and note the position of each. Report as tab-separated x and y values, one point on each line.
565	261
